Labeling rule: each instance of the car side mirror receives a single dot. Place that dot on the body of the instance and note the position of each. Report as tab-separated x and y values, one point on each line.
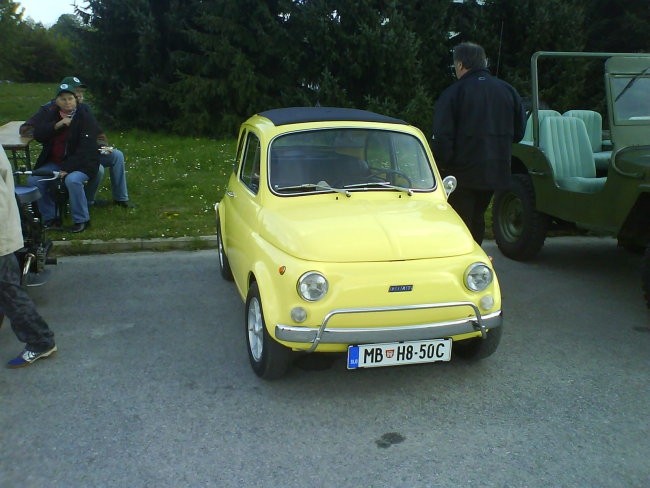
449	184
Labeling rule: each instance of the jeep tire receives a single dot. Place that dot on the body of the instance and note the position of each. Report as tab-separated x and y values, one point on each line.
519	229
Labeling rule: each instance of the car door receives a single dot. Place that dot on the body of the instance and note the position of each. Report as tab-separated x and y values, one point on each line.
242	209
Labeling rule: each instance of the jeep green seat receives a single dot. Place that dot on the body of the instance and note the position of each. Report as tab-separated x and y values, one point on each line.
541	114
565	143
594	124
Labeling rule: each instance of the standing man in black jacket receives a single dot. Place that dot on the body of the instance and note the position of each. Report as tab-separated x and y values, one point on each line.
475	122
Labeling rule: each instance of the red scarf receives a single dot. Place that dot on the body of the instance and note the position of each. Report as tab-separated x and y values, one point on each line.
57	153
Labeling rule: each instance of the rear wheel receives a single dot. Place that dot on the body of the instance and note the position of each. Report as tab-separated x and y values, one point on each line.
645	273
269	359
479	348
519	229
224	265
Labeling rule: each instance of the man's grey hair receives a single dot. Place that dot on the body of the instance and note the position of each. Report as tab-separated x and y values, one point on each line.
471	55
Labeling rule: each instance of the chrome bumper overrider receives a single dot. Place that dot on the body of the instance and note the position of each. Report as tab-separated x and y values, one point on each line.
374	335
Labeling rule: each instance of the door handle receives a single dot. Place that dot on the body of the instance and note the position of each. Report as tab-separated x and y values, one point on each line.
230	193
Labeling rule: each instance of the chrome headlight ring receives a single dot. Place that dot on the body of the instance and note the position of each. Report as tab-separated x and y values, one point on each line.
478	276
312	286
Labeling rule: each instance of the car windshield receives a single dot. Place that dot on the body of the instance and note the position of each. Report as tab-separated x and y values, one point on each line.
631	97
329	160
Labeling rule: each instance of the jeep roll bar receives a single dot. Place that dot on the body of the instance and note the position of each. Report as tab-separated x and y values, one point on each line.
560	54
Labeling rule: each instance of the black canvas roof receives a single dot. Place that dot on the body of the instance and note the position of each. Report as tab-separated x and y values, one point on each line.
296	115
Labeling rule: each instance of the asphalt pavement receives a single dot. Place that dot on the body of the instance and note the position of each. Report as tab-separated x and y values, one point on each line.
151	387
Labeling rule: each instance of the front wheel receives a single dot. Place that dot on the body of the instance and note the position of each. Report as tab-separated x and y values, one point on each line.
645	275
269	359
519	229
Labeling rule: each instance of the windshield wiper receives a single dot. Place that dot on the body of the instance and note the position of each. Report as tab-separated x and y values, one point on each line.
321	185
631	82
381	184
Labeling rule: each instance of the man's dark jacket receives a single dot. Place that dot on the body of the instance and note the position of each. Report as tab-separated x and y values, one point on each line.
475	122
81	142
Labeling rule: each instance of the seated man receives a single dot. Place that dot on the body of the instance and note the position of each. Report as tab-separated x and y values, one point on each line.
68	132
109	157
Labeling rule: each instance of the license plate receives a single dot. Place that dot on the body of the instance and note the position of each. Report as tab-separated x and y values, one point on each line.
398	353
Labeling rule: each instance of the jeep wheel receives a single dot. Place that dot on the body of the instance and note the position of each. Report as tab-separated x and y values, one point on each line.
519	229
269	359
645	275
224	265
479	348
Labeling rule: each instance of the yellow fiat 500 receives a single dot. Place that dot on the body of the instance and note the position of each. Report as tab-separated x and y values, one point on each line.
336	230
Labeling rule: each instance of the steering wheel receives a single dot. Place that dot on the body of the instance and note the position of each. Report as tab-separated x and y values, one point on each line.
376	172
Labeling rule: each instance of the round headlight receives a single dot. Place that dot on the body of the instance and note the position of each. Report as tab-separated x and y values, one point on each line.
478	277
312	286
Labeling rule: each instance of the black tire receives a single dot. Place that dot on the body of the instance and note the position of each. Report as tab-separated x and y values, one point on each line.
269	359
519	229
633	247
645	276
479	348
224	265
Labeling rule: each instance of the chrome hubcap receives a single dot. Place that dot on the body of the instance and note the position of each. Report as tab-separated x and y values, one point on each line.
255	329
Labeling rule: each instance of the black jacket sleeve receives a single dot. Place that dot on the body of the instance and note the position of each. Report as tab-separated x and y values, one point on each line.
444	130
27	128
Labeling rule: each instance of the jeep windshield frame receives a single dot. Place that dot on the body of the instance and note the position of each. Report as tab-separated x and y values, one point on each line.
584	55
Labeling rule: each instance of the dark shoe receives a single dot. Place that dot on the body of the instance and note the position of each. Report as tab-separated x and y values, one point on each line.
54	224
124	204
27	357
100	203
80	227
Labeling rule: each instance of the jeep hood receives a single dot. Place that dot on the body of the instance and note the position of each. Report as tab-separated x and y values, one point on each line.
360	230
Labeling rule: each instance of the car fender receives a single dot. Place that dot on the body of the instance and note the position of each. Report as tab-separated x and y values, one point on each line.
217	213
261	273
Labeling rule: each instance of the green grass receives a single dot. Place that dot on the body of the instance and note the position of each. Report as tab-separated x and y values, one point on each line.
20	100
174	181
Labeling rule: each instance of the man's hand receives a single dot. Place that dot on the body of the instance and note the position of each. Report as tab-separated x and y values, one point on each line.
106	149
66	121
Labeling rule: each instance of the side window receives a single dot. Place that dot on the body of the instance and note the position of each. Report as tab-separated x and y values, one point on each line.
250	171
240	148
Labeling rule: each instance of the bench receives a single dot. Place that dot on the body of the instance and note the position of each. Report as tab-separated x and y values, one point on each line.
15	144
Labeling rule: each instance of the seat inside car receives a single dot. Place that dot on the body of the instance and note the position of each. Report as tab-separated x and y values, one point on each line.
594	125
565	143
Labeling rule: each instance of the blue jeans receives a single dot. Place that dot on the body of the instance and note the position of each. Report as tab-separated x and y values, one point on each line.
114	161
74	182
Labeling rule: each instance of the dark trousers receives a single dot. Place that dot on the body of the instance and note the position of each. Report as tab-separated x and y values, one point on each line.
15	303
471	205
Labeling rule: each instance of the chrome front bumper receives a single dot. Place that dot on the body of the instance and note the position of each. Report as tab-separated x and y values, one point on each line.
375	335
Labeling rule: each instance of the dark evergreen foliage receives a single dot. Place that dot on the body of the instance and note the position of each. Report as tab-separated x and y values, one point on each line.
28	51
202	66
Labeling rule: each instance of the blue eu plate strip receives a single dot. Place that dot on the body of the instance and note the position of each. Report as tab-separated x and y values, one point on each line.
353	357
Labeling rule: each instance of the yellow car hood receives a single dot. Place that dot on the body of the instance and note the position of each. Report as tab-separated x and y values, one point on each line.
360	230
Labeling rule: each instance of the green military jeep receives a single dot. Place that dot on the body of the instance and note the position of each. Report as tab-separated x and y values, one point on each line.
569	172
